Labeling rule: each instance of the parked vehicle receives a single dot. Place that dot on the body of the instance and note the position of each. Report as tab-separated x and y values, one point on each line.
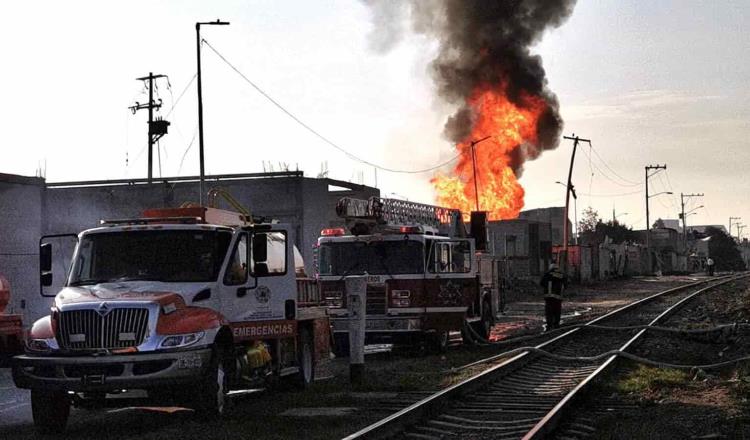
186	303
423	273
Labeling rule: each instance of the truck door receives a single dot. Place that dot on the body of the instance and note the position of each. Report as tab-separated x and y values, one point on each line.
259	278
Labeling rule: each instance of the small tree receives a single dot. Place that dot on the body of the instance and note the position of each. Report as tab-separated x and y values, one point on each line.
589	220
723	250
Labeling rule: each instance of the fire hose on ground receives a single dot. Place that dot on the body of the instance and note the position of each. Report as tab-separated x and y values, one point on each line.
724	331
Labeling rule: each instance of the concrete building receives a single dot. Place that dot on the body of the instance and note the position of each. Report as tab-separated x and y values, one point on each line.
552	216
33	208
524	244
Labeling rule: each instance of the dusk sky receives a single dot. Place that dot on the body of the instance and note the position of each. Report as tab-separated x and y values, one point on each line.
647	82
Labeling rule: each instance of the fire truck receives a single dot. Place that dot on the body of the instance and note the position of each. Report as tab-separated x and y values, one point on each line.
11	329
186	303
424	276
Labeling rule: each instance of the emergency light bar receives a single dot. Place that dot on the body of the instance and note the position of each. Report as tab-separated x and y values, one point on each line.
332	232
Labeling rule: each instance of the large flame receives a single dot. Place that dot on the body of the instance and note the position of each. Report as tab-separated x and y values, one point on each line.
508	126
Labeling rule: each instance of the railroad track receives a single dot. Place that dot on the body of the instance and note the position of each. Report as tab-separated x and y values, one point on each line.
524	397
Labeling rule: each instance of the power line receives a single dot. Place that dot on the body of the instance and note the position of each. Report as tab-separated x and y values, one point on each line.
174	103
316	133
613	171
596	167
613	195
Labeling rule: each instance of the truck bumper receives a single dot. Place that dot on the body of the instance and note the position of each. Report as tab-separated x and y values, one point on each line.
400	329
110	372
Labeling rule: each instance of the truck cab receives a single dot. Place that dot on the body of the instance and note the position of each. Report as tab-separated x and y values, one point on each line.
194	298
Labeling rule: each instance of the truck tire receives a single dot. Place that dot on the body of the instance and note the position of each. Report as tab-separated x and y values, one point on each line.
211	400
305	359
438	341
483	327
50	410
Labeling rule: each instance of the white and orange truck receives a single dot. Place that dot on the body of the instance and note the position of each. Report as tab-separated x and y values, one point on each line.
186	303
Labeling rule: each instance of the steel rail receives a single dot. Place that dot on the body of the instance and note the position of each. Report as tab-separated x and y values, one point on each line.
549	421
396	422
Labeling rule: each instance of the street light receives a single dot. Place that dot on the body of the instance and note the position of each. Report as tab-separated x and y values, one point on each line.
575	207
200	101
659	193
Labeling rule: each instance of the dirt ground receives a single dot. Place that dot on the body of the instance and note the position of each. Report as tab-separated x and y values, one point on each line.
643	402
333	408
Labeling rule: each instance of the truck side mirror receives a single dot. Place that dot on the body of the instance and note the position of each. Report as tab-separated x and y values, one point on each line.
45	279
260	248
45	264
45	257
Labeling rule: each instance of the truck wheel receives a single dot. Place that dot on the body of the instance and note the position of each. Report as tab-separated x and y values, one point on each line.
483	327
305	360
466	336
438	341
488	320
50	410
211	400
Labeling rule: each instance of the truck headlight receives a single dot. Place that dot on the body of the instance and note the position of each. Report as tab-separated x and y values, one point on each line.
40	345
179	341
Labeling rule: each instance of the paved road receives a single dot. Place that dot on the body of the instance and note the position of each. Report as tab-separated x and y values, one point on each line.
15	408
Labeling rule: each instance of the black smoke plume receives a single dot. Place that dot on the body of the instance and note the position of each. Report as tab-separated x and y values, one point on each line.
482	43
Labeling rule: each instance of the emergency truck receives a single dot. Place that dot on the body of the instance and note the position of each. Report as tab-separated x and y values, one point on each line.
186	303
425	278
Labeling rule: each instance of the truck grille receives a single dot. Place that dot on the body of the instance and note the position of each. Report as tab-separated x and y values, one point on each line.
376	300
87	329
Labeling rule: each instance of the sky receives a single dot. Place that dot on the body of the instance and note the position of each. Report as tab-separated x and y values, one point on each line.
648	82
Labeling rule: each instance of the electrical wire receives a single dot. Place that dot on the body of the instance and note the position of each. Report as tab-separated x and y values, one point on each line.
174	104
318	134
596	167
184	155
613	195
610	168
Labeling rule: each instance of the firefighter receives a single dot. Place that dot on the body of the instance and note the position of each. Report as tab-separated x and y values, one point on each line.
710	266
553	282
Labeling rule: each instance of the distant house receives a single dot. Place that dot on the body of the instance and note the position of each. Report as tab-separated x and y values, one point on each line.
552	216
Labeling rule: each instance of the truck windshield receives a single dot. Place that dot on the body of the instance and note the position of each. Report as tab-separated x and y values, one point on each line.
164	255
375	258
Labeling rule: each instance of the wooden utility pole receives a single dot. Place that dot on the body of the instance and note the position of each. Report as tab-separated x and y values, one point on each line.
684	218
562	259
648	219
730	223
156	128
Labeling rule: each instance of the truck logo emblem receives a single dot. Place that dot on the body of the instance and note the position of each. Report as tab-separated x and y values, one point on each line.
262	294
103	309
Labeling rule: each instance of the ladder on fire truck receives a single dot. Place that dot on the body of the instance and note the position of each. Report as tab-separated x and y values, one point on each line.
363	216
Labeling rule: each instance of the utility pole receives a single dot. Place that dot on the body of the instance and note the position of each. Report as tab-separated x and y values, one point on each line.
684	218
156	128
474	167
730	223
200	103
657	168
562	259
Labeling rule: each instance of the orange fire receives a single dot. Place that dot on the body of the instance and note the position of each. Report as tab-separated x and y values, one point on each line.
508	126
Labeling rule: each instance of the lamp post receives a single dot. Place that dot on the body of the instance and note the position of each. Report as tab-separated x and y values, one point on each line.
200	102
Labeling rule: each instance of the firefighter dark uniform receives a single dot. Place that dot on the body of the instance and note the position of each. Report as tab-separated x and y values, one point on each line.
553	282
